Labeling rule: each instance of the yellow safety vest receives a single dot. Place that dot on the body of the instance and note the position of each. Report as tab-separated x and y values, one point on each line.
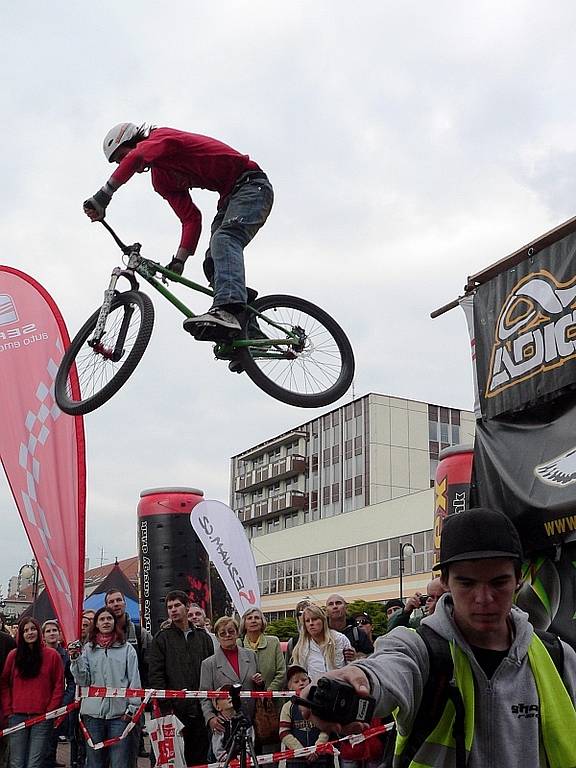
557	715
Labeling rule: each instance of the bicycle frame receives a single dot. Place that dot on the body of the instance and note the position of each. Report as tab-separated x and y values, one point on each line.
139	265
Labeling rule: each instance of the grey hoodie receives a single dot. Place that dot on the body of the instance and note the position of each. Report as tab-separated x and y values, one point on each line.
505	734
113	667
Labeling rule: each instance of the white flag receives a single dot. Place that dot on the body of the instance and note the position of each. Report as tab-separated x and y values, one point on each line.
223	537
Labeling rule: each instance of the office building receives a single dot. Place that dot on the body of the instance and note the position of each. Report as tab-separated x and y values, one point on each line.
326	505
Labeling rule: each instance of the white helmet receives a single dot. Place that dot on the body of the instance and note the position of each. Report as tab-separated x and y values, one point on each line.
117	136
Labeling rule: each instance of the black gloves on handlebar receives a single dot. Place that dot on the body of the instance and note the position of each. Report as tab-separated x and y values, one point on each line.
98	202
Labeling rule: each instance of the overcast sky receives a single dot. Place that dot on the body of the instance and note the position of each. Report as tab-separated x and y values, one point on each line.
409	144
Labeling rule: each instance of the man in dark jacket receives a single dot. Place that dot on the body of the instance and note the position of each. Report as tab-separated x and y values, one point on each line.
336	611
175	658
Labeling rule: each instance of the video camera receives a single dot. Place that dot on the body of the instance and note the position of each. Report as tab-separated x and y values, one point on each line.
337	702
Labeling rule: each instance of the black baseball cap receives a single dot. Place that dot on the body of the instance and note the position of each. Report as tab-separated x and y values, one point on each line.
394	602
478	534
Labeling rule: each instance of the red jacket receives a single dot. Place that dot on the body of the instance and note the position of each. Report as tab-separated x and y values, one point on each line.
34	695
180	161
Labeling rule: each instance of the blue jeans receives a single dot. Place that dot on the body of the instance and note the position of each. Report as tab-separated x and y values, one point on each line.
234	226
28	746
100	730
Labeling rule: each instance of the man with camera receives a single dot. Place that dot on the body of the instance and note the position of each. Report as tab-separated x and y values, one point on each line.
509	699
404	617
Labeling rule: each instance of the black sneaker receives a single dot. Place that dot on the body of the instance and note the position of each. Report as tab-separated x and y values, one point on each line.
215	316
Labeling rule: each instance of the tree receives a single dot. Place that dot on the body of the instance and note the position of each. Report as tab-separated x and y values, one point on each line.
284	629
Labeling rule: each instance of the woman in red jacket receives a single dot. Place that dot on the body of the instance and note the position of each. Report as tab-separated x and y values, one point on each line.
32	683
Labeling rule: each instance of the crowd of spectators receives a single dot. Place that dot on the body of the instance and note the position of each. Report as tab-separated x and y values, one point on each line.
40	675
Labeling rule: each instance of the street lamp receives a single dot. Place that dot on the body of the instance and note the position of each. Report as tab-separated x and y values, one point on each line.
402	548
30	571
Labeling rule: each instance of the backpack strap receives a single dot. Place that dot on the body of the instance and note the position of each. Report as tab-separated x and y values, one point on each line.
138	631
437	690
553	645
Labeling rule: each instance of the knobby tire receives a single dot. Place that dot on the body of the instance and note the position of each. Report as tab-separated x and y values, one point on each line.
318	375
99	378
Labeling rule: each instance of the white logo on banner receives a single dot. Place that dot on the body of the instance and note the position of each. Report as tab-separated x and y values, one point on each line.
224	539
558	471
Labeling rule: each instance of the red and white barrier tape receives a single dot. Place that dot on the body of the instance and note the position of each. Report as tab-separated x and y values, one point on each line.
55	713
129	726
147	694
127	693
330	747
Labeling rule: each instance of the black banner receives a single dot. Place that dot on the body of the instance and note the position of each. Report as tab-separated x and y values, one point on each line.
525	466
525	330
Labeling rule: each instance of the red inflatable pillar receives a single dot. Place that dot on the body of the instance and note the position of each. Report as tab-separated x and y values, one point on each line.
451	487
171	555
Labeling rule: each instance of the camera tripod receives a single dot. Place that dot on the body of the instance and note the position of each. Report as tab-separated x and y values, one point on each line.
240	743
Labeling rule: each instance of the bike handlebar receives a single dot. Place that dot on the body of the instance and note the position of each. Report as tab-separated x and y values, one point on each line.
126	249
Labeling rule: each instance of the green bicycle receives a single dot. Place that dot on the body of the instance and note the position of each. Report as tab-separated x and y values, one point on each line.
301	356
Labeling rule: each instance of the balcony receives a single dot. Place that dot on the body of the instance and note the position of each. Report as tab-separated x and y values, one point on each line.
270	473
291	501
260	450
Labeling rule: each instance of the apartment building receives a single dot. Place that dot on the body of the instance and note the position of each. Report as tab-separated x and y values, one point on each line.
327	504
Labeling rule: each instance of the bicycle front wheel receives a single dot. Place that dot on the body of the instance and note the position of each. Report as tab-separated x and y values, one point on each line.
102	368
310	374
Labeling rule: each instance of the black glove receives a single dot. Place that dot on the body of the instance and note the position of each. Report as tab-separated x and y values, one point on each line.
98	202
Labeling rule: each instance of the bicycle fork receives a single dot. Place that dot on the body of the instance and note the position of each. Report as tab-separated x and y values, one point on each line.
96	342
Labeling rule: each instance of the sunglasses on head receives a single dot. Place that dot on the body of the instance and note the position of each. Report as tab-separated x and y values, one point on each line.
363	621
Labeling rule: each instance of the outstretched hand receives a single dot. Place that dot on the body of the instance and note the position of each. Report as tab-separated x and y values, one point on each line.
355	677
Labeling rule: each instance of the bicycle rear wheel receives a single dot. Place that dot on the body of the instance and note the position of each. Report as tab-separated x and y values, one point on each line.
315	372
103	368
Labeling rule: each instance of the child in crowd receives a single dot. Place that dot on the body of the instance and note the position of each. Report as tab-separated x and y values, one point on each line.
297	732
220	741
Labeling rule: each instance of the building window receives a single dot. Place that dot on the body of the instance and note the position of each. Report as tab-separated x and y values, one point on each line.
455	416
433	413
348	489
314	463
358	445
314	500
444	415
455	435
444	433
335	418
335	492
326	457
348	412
335	454
434	449
358	485
348	449
326	495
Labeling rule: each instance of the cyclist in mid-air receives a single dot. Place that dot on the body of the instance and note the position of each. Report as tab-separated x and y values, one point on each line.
180	161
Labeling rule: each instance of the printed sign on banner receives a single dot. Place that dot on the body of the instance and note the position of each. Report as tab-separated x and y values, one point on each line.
42	450
224	538
525	329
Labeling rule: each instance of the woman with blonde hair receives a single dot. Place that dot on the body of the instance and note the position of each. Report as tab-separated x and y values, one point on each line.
272	669
319	649
271	664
